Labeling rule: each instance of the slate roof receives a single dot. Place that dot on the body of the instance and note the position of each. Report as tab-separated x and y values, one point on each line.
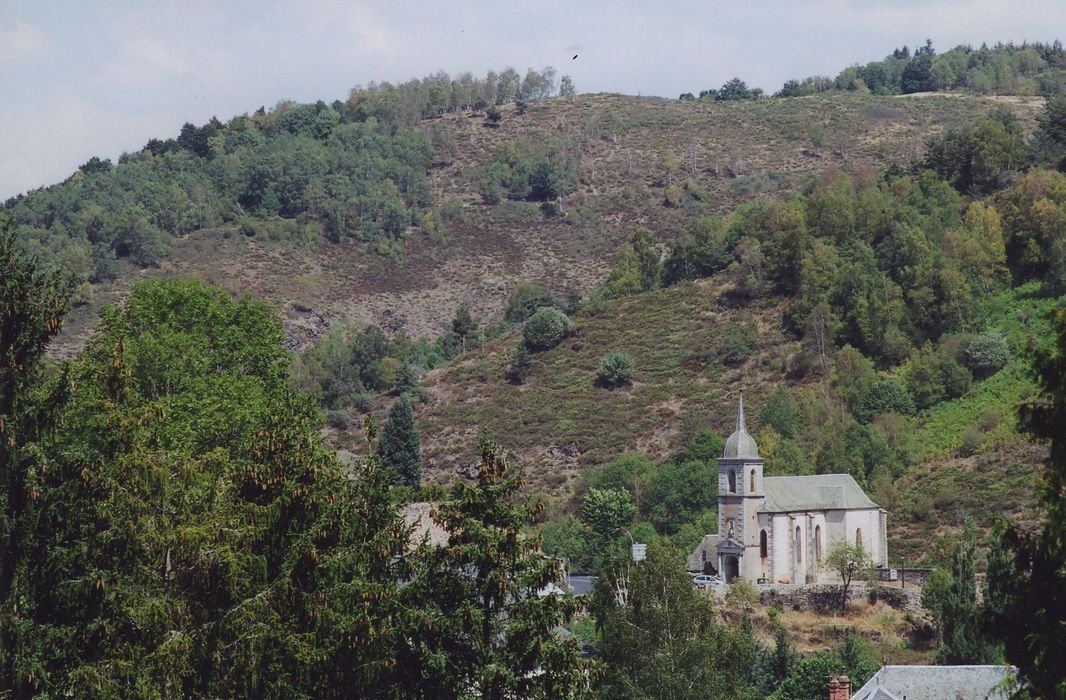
786	494
936	683
708	544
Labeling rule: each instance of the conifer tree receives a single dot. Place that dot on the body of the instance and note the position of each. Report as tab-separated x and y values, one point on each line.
32	303
400	446
1026	579
482	619
960	615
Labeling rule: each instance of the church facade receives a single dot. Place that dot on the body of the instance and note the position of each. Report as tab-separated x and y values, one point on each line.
780	529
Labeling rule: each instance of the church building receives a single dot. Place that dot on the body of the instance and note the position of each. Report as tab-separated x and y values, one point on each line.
779	529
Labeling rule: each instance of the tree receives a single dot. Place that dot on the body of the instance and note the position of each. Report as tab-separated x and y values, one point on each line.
206	531
960	615
545	329
464	325
1026	609
848	561
659	637
986	354
608	513
480	620
735	89
782	413
400	446
566	87
809	678
32	303
615	369
935	593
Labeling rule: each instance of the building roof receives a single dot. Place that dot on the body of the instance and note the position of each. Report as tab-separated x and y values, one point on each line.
786	494
937	683
709	546
740	445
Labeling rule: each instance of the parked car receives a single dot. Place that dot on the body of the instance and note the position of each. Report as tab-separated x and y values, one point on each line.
706	581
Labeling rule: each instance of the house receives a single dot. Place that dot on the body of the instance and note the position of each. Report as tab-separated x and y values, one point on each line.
938	683
779	529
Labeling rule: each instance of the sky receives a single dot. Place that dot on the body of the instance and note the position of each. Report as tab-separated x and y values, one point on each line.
84	78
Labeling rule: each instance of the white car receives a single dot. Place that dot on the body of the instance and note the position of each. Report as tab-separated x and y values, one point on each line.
706	581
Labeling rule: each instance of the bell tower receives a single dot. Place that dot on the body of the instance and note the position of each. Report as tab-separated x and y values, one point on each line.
740	496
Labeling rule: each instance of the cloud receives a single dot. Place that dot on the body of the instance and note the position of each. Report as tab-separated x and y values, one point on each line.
21	41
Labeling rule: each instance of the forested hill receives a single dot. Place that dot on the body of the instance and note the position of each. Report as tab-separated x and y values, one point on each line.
395	206
1002	69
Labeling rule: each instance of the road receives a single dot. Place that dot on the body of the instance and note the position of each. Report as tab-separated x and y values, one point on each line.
582	584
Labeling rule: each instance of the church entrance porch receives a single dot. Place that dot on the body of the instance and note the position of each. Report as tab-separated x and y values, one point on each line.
730	568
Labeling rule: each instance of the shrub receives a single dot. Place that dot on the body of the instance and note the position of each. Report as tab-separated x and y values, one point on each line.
545	329
518	371
616	368
526	298
971	441
739	342
986	354
886	396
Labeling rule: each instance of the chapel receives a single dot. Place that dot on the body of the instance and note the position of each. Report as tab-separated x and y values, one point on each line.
779	529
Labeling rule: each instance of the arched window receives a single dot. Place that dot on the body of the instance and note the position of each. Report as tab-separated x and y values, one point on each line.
818	543
762	544
799	546
858	537
732	481
752	489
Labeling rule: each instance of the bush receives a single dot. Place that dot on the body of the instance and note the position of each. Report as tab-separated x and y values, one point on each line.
887	396
518	371
971	441
986	354
526	298
545	329
616	368
739	342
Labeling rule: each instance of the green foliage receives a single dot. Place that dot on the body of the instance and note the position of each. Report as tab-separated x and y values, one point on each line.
964	641
700	251
809	678
935	593
1025	573
541	172
521	365
607	512
679	493
848	561
630	472
706	446
1003	69
545	329
739	342
979	159
782	413
933	375
400	445
659	636
525	299
615	369
473	621
885	396
215	565
568	538
860	659
986	354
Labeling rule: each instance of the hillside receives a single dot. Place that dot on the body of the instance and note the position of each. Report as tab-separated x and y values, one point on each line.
719	153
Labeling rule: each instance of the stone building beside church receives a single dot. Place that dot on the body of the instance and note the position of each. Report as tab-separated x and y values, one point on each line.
779	529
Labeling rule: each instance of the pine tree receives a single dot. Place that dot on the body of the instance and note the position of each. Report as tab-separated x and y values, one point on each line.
33	300
482	620
1025	606
960	615
400	446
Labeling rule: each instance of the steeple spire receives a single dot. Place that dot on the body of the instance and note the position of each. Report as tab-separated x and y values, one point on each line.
741	428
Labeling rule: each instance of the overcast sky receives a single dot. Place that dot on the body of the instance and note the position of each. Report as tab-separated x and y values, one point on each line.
84	78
